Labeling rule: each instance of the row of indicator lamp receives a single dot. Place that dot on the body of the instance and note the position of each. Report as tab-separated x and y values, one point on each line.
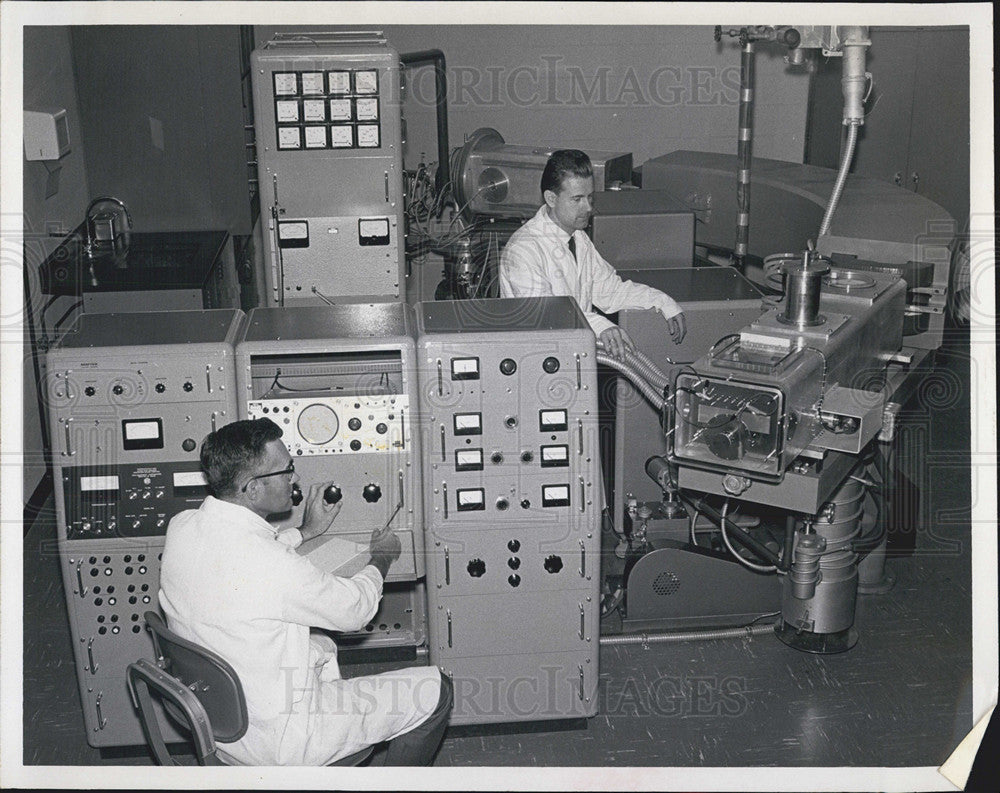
361	81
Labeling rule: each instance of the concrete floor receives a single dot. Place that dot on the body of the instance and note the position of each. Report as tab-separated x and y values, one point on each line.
902	697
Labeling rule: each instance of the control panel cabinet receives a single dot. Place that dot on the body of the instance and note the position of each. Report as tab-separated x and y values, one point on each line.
132	396
512	497
329	145
341	383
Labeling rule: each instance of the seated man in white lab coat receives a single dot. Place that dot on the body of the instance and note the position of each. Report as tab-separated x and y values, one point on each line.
234	584
552	255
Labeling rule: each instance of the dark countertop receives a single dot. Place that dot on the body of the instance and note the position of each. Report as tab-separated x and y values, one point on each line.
160	260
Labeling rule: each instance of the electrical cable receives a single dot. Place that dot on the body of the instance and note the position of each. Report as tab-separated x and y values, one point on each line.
741	559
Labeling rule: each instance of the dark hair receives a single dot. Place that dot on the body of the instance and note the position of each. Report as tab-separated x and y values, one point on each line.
564	162
233	452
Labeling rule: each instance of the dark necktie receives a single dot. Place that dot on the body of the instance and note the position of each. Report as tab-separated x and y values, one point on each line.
572	247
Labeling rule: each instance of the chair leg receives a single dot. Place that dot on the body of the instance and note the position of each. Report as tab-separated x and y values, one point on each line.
150	724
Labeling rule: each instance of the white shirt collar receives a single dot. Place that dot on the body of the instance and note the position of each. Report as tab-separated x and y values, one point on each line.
556	230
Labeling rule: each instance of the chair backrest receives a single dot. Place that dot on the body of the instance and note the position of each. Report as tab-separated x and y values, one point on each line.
211	678
145	681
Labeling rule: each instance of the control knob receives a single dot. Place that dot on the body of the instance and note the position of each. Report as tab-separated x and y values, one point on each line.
297	495
332	494
371	492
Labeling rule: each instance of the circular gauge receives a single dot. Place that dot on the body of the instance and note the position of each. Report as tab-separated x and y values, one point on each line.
318	424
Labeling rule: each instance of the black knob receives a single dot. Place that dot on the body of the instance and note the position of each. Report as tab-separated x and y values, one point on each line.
297	495
551	365
476	568
514	579
332	494
188	386
188	444
508	366
514	546
513	563
159	388
117	389
496	458
355	445
371	493
381	428
553	564
502	504
525	503
89	390
510	421
526	457
354	423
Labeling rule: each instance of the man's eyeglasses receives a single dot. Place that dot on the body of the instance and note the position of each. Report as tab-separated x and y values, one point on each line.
289	470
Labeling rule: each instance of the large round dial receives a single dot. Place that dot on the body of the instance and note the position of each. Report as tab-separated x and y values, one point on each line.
318	424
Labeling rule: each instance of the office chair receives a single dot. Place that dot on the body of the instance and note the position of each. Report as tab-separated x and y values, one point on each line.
198	689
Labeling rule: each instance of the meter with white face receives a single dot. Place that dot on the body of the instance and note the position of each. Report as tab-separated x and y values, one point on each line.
312	83
367	109
287	111
289	138
316	137
368	137
338	82
313	110
340	110
341	137
366	81
285	84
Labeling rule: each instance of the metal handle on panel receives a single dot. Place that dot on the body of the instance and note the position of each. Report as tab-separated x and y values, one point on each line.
579	426
583	560
447	565
90	656
579	381
916	181
440	379
580	667
79	578
443	457
402	429
583	624
387	187
401	501
583	495
444	491
449	628
69	440
101	721
208	377
213	421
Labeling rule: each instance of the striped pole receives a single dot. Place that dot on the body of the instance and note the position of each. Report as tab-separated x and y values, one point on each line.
744	152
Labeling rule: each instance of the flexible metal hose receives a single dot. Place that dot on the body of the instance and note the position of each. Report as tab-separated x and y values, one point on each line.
838	187
648	391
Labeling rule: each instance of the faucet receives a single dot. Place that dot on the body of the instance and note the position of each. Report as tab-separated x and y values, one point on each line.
112	232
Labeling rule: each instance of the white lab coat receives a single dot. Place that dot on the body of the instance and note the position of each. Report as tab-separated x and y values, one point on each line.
230	582
537	261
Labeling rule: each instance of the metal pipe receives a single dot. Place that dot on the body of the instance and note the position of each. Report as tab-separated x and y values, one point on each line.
735	532
436	57
687	636
744	154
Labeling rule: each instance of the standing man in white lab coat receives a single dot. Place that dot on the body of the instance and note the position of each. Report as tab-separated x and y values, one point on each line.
233	583
552	255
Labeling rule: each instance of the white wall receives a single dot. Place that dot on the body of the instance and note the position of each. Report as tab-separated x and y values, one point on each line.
48	82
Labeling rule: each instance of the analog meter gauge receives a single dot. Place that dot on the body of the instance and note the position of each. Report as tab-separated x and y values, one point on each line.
368	109
312	83
338	82
366	81
315	137
368	136
313	110
318	424
340	110
289	138
341	137
287	111
285	84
